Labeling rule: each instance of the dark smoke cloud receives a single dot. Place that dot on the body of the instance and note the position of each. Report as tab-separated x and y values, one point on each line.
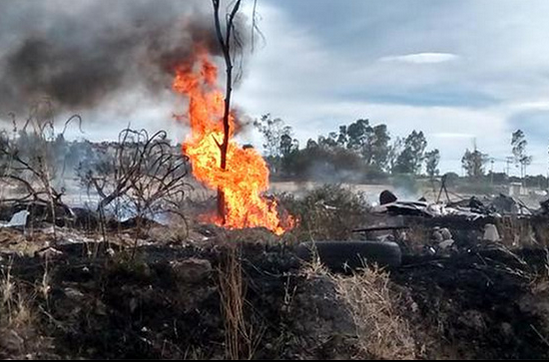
80	53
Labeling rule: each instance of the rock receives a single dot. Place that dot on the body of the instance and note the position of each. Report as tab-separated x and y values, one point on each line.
191	270
473	319
386	197
446	234
437	237
74	294
491	233
446	244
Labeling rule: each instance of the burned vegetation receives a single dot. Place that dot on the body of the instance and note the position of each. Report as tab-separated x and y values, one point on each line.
141	288
142	248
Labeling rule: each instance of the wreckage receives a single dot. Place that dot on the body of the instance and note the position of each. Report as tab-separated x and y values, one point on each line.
471	209
439	228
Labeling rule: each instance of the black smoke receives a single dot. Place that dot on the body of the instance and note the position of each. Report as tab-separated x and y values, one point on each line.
79	53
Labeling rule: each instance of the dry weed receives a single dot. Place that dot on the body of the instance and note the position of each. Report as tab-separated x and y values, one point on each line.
382	332
17	319
241	338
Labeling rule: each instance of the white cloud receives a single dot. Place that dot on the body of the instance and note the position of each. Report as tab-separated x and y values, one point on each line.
421	58
297	78
453	135
529	105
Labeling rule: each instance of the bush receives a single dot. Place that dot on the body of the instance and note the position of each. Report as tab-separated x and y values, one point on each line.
328	212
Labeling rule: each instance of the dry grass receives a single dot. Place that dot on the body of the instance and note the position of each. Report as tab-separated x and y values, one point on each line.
417	237
518	232
541	232
17	319
382	332
314	267
14	307
241	338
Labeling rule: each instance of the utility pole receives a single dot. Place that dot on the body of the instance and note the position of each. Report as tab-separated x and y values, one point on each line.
508	161
492	171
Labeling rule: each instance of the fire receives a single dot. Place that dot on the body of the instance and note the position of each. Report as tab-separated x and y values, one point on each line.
246	176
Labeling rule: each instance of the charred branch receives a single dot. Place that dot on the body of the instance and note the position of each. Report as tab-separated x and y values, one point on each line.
224	40
144	171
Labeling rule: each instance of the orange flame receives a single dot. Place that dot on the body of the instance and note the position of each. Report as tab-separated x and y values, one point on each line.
246	176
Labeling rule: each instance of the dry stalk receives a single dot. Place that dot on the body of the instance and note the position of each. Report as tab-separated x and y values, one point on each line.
382	332
240	338
7	289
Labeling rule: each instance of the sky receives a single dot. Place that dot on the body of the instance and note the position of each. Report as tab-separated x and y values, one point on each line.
464	72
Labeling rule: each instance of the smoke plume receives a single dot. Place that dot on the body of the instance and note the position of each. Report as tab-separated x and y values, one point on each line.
80	53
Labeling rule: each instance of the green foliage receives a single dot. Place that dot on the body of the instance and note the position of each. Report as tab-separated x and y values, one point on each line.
328	212
474	162
411	158
278	141
432	159
519	143
357	152
370	142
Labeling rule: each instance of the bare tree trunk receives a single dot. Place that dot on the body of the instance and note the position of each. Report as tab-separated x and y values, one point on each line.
225	48
46	180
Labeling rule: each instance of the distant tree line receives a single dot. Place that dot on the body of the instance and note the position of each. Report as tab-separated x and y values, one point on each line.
474	162
364	151
358	151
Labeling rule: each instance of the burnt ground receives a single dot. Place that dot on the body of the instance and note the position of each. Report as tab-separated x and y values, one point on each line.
162	301
480	304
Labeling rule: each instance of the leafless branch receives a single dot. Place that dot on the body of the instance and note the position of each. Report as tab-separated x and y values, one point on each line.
145	172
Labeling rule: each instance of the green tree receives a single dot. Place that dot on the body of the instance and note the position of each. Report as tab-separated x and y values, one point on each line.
473	162
380	147
342	138
370	142
311	143
432	158
519	143
411	158
272	131
279	142
329	142
357	134
288	145
394	151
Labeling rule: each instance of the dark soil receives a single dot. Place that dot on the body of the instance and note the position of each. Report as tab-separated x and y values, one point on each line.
474	302
164	302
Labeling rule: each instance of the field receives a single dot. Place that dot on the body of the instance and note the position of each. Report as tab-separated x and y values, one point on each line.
199	291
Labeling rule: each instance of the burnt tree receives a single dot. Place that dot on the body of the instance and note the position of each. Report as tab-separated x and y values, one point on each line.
224	39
